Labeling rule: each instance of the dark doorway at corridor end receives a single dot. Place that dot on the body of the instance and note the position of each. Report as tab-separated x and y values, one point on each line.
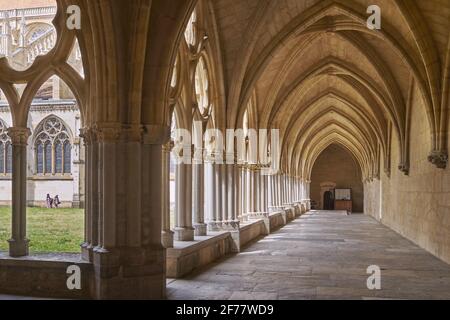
336	168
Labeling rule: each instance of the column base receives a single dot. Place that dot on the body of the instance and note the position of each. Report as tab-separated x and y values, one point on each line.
214	226
200	229
232	225
184	234
87	252
167	238
18	248
130	273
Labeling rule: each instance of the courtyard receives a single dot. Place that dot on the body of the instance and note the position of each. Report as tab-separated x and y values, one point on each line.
49	230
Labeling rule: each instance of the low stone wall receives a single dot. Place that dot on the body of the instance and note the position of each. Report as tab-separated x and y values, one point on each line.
188	256
252	231
44	276
277	220
290	214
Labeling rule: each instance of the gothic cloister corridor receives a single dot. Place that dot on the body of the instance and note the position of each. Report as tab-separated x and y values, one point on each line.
207	149
322	255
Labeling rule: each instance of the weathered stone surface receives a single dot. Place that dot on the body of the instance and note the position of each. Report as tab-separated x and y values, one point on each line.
322	255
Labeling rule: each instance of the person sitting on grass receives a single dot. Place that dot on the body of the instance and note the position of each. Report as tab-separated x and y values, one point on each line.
56	201
49	201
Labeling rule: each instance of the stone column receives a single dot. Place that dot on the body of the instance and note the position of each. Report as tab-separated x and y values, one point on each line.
215	205
183	206
129	259
219	207
224	197
277	189
302	190
266	182
18	244
232	219
282	199
89	136
264	192
244	188
198	195
291	189
238	191
166	232
272	200
257	192
77	167
210	188
250	191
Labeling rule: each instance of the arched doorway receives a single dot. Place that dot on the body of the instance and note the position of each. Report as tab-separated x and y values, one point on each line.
328	200
327	192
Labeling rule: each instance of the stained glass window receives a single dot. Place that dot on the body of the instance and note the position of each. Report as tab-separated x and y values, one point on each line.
51	145
2	158
58	157
48	157
40	158
67	157
8	158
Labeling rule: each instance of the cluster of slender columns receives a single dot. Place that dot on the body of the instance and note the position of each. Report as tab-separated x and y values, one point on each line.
286	190
124	201
215	196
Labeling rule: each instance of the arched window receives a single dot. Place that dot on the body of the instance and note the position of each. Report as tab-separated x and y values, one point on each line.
52	147
5	150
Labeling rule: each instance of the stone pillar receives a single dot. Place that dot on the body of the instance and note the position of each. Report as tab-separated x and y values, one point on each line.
272	199
198	195
244	188
210	188
264	192
183	203
257	189
302	189
219	196
288	190
238	191
89	136
291	189
232	220
18	244
249	192
277	189
224	197
129	259
166	232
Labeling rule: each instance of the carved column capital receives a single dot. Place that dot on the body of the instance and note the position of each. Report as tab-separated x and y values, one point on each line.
19	136
154	134
167	147
439	158
404	167
89	135
108	132
132	133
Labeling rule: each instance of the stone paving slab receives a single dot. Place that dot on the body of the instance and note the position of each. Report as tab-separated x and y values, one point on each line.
322	255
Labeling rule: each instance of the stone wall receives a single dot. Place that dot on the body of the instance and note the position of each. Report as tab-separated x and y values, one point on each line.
338	166
418	205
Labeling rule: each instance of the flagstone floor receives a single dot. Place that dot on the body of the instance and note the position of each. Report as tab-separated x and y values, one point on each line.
322	255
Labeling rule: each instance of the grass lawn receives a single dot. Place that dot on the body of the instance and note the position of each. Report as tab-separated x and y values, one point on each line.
49	230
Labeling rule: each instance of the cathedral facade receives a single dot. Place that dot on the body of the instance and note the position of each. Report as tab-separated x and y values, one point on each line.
54	152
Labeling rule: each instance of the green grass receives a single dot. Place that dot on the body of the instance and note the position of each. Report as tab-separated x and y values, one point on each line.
49	230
